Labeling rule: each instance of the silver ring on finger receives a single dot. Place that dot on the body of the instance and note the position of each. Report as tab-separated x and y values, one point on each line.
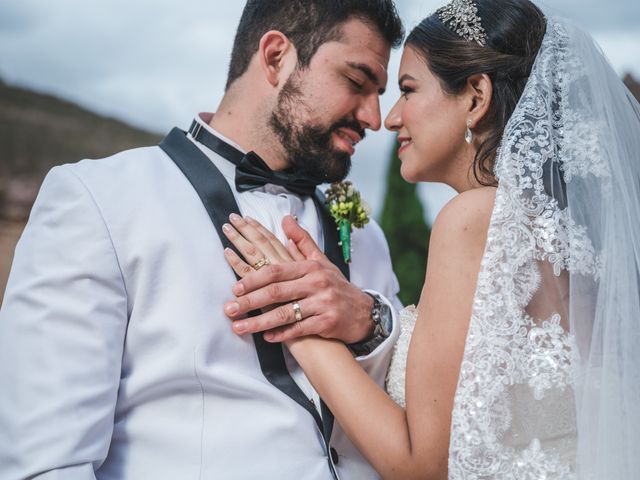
297	312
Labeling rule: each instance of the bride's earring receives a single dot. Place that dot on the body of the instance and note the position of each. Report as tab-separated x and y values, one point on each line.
468	136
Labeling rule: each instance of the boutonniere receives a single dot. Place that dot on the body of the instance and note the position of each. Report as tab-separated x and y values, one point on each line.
348	210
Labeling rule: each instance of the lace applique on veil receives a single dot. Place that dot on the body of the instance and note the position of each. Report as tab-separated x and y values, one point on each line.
514	413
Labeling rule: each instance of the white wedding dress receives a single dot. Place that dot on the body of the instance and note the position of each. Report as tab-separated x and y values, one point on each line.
549	381
396	376
537	436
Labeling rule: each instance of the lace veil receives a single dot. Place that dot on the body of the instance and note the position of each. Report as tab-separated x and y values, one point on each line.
550	381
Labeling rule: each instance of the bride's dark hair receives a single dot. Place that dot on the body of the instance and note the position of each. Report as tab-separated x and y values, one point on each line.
515	29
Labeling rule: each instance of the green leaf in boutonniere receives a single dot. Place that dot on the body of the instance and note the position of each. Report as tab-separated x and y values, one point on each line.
349	211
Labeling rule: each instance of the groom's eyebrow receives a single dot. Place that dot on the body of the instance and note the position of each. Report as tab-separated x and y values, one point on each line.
371	75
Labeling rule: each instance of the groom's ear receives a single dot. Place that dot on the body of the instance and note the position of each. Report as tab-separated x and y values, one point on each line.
277	57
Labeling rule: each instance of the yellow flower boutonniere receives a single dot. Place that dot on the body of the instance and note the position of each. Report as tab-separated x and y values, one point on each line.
348	210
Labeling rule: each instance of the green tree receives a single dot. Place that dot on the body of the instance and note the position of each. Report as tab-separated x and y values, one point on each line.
406	231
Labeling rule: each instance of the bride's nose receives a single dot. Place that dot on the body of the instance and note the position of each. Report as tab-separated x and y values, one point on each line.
393	121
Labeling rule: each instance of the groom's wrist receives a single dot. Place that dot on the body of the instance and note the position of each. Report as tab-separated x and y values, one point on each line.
381	325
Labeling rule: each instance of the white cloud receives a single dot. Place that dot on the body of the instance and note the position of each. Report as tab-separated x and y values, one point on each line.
151	64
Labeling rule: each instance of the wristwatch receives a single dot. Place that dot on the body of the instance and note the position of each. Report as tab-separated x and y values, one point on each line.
382	324
377	314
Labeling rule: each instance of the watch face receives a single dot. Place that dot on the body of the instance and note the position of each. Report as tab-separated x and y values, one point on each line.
377	331
380	316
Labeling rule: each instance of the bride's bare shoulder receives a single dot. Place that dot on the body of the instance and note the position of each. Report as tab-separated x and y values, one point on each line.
464	220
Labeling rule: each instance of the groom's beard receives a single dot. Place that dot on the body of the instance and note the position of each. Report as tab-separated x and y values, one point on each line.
309	147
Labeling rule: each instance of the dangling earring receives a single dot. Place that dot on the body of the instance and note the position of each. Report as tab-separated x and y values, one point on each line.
468	136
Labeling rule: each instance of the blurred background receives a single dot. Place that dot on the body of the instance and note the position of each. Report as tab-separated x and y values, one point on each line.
87	79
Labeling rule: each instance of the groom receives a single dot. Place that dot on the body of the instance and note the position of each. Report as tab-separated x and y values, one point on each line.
116	358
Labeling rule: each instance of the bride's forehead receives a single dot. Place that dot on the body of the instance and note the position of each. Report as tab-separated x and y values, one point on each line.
414	65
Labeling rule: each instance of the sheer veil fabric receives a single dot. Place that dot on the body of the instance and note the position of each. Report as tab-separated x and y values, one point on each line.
549	385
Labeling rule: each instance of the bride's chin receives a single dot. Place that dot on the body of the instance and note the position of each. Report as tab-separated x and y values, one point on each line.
409	174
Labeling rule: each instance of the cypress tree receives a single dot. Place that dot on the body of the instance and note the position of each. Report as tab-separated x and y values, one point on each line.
404	225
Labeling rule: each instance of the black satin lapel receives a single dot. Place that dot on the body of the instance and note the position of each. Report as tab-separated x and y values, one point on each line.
206	179
219	201
333	251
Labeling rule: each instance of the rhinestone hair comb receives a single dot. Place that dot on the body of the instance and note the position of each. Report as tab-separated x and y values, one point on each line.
462	17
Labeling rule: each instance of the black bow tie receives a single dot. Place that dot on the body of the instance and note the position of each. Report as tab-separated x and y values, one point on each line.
251	171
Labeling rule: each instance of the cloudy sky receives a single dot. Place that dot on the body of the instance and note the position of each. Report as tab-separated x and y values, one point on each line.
154	63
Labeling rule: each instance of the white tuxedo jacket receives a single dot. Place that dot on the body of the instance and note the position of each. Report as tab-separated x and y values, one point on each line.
116	360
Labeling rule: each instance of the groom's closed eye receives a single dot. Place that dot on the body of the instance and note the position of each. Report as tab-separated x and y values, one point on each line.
358	85
369	73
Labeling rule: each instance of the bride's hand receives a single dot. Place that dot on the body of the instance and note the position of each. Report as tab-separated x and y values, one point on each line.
257	245
298	281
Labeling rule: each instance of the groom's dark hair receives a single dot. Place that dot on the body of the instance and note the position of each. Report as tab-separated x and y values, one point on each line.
308	24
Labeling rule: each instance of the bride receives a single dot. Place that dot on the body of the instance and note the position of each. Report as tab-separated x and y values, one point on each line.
524	359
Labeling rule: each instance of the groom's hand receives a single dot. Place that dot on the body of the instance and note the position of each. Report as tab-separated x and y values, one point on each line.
329	305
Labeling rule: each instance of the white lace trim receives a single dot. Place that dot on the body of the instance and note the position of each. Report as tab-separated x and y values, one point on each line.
396	376
513	415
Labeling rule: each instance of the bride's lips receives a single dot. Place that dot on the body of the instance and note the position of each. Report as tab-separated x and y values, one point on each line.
405	142
348	139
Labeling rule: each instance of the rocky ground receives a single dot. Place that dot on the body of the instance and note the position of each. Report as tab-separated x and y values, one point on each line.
9	234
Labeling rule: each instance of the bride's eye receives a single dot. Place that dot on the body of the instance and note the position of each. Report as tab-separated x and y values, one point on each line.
406	90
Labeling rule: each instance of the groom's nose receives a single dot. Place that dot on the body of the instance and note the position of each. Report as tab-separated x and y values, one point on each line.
368	112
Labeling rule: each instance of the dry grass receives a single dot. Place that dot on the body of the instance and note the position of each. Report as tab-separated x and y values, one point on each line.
9	234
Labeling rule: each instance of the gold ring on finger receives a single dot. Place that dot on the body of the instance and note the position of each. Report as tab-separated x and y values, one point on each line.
297	312
261	263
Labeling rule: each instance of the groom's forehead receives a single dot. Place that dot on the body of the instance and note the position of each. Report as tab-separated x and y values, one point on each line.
360	44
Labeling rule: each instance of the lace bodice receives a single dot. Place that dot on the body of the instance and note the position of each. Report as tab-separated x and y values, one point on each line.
396	376
537	426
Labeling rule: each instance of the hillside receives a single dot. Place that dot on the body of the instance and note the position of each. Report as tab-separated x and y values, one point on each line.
39	131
